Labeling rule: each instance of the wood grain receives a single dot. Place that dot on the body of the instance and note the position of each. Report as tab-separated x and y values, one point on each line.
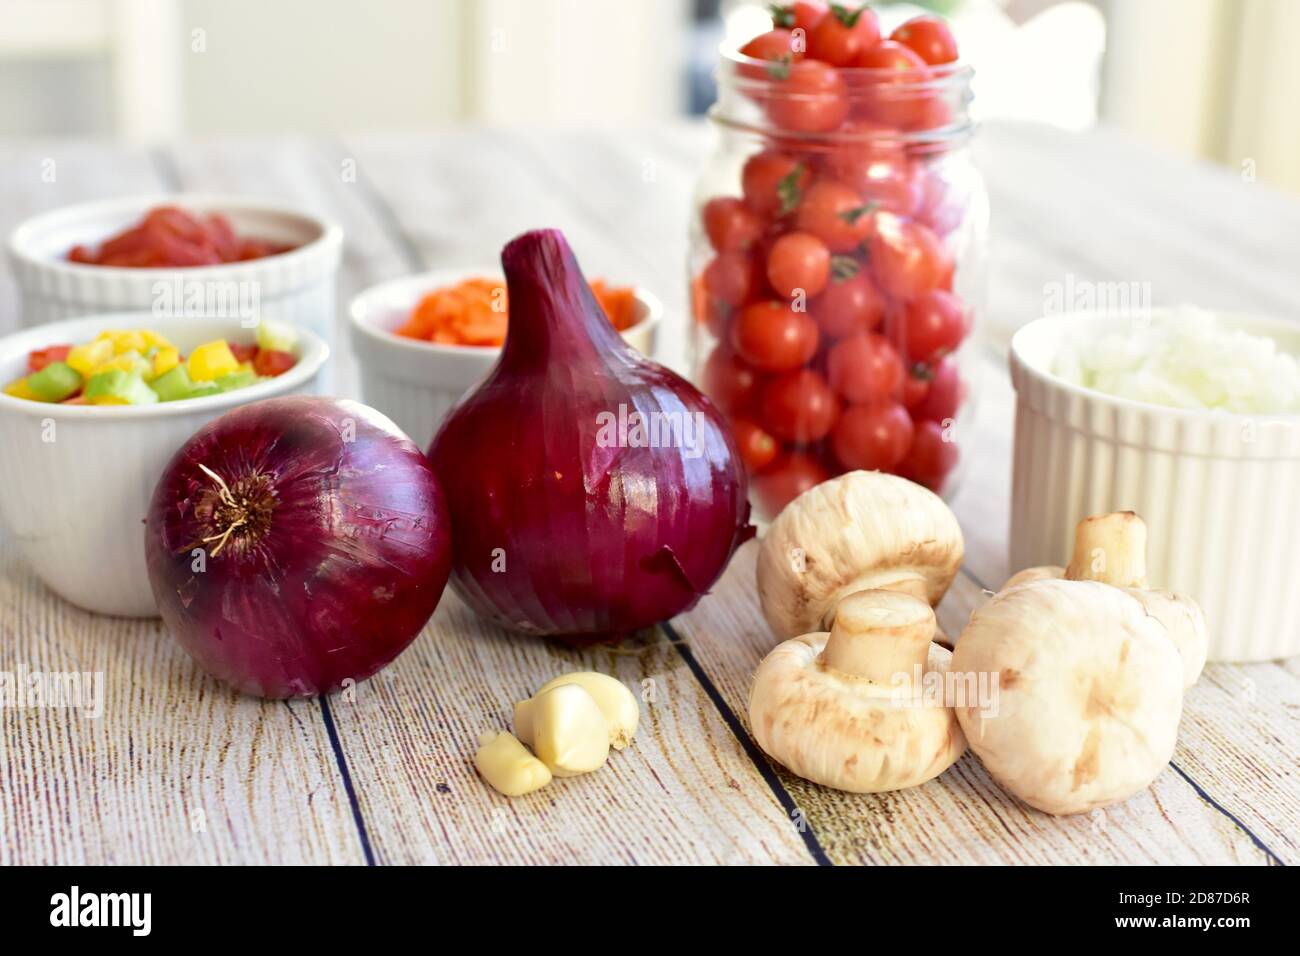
178	769
383	773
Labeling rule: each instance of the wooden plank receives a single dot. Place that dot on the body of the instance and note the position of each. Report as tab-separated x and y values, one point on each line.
178	769
684	792
964	816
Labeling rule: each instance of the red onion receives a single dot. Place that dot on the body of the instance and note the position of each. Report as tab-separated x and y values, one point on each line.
568	520
295	543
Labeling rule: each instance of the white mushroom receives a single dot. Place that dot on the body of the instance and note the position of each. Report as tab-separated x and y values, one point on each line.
1111	548
1089	693
861	531
845	709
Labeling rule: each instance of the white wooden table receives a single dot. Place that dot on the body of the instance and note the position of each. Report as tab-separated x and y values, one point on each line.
179	769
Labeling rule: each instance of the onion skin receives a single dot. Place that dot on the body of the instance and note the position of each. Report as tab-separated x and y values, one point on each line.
332	580
557	533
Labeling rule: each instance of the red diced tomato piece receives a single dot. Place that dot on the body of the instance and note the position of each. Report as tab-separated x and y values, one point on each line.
37	359
272	362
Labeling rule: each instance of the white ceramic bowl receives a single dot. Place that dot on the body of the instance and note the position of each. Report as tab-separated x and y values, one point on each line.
416	383
75	480
1220	493
295	286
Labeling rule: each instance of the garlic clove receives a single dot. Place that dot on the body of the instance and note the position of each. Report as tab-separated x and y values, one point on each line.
507	765
569	731
615	701
524	721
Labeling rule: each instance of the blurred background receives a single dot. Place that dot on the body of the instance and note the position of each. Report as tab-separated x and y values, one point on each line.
1216	79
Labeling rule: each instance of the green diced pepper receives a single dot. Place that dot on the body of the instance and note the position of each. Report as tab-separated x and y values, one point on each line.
175	385
234	380
55	382
116	387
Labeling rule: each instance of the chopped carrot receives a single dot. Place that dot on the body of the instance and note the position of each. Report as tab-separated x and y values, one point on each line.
476	312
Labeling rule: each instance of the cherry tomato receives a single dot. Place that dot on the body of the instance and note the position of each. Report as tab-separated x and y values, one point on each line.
243	353
773	337
930	458
773	182
907	258
864	368
272	362
758	448
929	37
776	47
798	262
835	214
810	99
799	406
916	385
879	170
801	15
893	97
894	56
729	382
944	396
849	305
872	437
785	480
730	225
37	359
730	278
843	35
933	325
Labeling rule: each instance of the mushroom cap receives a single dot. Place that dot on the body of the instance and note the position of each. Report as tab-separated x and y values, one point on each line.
1089	693
1185	624
863	530
847	732
1182	617
1034	574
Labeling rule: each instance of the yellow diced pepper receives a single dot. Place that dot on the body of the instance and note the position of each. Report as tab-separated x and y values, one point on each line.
127	362
211	360
124	340
86	359
165	360
154	340
19	389
246	366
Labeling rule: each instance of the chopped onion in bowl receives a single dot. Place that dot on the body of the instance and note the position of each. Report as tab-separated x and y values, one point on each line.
1187	359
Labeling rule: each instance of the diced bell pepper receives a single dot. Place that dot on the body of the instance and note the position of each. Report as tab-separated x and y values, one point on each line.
279	336
116	387
86	359
54	383
210	361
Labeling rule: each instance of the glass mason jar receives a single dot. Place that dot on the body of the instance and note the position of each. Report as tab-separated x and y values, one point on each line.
837	267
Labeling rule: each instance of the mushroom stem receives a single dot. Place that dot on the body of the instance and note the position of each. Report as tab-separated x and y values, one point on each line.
879	635
1111	549
903	582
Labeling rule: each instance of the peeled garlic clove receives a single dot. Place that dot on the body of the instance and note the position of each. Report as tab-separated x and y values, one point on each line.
569	731
524	720
507	765
613	698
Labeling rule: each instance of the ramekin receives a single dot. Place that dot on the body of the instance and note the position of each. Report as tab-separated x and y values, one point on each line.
416	383
296	286
75	480
1220	493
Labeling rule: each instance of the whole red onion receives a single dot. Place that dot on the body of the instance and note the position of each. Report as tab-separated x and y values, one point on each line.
568	521
295	543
